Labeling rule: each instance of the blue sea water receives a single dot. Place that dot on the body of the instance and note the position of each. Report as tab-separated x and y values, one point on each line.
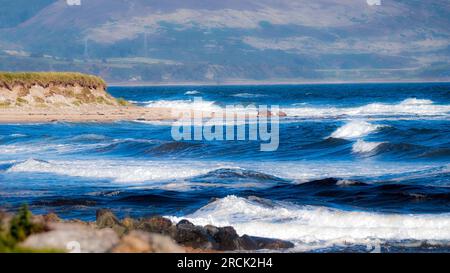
358	165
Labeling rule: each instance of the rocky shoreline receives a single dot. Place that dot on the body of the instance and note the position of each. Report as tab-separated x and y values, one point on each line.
108	234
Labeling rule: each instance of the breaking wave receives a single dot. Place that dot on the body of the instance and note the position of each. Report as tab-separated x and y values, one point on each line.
362	146
207	106
355	129
317	226
408	107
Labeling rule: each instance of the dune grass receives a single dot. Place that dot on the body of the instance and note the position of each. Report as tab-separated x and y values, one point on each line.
46	79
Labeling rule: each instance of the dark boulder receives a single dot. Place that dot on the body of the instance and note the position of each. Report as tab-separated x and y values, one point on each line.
226	238
254	243
105	218
184	222
193	236
52	218
156	224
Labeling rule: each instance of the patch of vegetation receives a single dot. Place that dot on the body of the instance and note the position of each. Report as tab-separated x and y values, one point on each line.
4	104
68	93
101	100
123	102
20	227
23	92
46	79
20	101
85	96
38	99
77	103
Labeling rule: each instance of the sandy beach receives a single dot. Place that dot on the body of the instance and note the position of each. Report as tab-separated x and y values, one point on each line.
83	114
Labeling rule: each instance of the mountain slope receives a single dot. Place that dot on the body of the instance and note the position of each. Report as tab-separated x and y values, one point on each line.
223	41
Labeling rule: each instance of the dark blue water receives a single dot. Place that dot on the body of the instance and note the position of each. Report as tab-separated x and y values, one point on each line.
358	164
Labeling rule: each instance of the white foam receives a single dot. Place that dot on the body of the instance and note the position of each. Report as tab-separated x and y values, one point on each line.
346	182
117	171
17	135
30	148
355	129
311	225
207	106
248	95
192	92
33	148
362	146
407	107
137	171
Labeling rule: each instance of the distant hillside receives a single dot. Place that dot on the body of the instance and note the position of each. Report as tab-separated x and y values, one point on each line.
210	41
14	12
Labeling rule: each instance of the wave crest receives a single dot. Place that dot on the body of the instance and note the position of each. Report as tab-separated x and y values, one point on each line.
355	129
362	146
408	107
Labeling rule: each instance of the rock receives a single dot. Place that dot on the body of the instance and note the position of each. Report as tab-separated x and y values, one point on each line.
39	222
144	242
156	224
129	223
211	237
226	239
185	222
67	237
106	219
212	230
5	220
247	243
78	221
187	234
52	217
255	243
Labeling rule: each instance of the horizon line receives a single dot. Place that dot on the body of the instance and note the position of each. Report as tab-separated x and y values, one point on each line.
255	83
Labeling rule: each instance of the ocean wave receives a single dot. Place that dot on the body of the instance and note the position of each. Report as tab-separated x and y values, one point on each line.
88	137
248	95
162	175
28	148
34	148
436	153
381	195
178	172
318	226
192	92
408	107
207	106
355	129
237	175
17	135
174	147
116	171
361	146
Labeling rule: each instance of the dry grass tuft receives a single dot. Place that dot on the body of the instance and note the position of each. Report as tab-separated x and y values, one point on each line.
46	79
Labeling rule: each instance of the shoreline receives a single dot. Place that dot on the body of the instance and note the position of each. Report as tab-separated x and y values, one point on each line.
83	114
109	234
102	114
269	83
